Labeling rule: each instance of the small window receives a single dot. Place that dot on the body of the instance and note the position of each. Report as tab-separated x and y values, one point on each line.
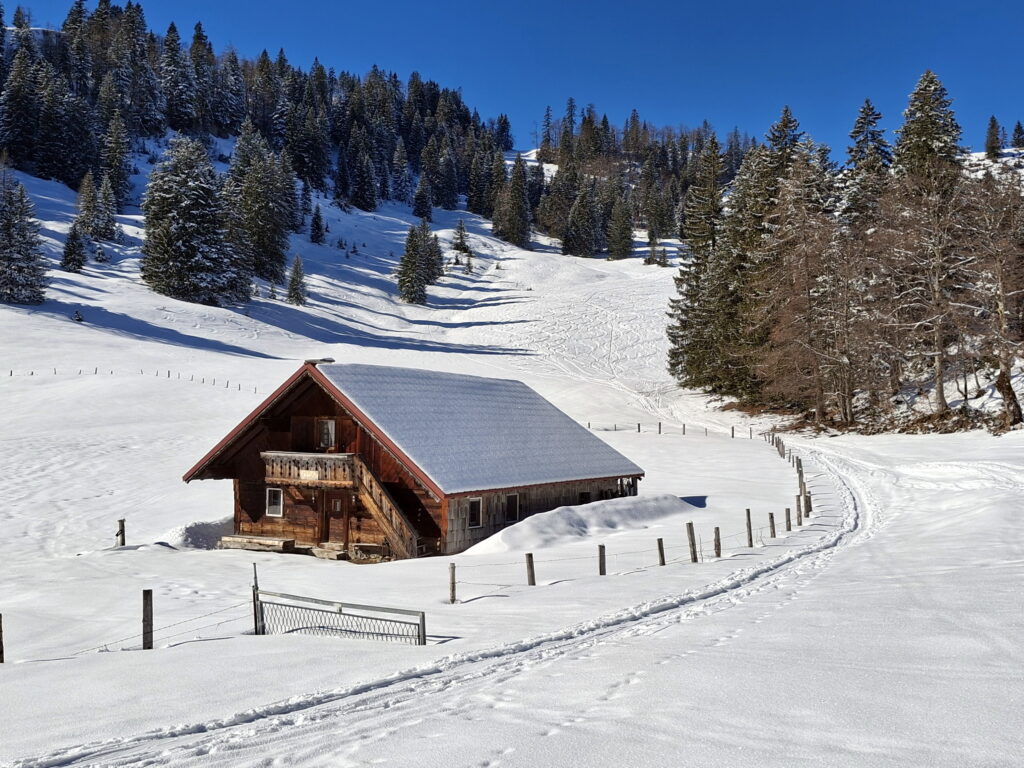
275	502
475	519
584	497
325	434
512	508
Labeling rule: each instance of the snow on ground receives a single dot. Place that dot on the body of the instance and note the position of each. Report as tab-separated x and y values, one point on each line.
884	632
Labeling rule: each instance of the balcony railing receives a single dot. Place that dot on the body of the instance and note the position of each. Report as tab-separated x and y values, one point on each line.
310	470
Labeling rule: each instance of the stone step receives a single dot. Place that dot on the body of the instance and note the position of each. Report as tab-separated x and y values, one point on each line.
329	554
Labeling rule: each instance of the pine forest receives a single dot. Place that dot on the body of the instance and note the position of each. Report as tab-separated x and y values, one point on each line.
833	284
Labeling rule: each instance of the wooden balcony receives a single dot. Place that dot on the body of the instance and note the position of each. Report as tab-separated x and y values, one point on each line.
310	470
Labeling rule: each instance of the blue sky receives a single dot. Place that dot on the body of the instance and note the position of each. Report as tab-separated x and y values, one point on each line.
735	64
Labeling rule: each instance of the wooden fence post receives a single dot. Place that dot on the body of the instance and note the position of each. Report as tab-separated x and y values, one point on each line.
531	576
750	531
638	428
451	583
718	542
120	533
659	427
147	619
807	503
1	638
771	523
661	551
693	542
600	560
799	513
257	620
789	521
732	432
684	427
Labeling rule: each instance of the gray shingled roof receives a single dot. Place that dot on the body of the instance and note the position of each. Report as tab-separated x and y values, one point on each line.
470	433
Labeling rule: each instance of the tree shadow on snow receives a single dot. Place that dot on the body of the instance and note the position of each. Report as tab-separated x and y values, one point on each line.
132	327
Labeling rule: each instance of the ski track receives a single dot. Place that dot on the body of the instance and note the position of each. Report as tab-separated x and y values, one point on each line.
376	709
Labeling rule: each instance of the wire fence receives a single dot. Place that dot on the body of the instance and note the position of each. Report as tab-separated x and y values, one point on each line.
160	373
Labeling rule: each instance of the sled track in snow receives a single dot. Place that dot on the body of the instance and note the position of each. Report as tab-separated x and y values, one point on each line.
372	710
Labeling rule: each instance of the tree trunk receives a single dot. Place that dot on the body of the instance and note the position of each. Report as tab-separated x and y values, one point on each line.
1011	405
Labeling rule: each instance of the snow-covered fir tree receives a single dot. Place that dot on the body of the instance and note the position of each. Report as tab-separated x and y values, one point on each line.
186	255
316	226
74	255
22	264
297	283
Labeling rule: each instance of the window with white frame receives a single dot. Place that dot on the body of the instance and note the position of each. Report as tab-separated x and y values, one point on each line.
512	508
475	519
275	502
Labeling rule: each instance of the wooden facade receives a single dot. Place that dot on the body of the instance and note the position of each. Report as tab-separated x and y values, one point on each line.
308	466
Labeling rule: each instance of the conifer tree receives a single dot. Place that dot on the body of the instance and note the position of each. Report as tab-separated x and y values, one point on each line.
1018	136
22	264
401	179
868	160
929	139
104	225
74	254
412	282
178	82
422	200
259	200
460	242
579	230
447	194
87	204
316	226
19	111
114	159
364	183
185	254
297	283
993	141
512	215
620	231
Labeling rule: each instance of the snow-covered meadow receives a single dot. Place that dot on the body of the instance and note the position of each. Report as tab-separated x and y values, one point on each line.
884	632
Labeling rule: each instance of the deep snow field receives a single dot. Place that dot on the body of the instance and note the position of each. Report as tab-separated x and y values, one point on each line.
884	632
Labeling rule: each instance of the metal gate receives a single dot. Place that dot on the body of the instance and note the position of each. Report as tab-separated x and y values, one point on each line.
294	614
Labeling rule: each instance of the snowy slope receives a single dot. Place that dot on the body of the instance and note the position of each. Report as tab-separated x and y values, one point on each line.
882	633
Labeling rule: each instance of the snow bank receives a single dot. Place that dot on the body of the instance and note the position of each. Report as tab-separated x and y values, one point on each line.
199	534
566	524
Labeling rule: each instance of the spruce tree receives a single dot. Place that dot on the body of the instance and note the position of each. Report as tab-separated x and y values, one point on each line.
620	231
364	183
114	159
993	141
22	264
423	199
512	215
178	82
19	111
316	226
74	254
447	193
87	204
1018	136
412	281
297	284
185	254
460	244
104	225
401	179
929	139
579	230
869	159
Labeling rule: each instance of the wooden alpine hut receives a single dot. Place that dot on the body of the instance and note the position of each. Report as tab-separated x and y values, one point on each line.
357	460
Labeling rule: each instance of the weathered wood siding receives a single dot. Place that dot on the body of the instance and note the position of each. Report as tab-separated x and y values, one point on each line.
534	499
309	516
